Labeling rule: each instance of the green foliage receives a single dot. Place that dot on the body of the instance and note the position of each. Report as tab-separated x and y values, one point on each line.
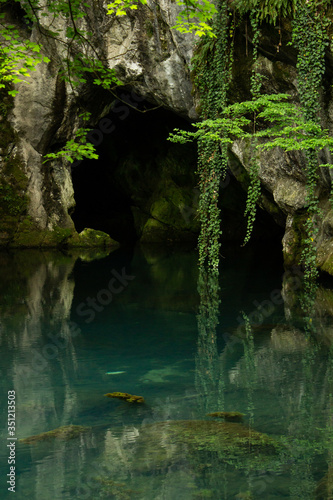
119	7
253	192
269	121
79	67
280	123
195	17
18	58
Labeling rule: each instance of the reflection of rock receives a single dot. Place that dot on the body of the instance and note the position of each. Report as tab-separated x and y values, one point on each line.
65	433
288	339
90	254
322	311
35	318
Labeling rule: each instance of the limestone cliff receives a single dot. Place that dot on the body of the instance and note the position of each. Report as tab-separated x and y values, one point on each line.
153	62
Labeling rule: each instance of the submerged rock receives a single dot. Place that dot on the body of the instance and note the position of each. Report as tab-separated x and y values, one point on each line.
65	433
162	375
165	444
229	416
126	397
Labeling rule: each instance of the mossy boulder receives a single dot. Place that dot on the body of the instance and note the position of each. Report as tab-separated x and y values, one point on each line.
92	238
22	232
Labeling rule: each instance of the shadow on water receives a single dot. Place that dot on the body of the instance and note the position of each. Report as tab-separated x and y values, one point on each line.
75	326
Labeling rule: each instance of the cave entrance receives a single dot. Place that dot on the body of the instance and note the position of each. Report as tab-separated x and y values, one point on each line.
114	193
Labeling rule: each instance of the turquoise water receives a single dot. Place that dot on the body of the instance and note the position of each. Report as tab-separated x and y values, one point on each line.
75	326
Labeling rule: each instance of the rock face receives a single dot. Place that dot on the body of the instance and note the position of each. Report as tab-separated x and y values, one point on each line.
282	175
152	60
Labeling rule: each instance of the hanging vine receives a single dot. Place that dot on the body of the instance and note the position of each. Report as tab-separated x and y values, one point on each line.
253	192
212	75
310	37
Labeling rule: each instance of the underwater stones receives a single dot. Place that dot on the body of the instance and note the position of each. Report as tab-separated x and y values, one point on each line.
125	397
192	447
229	416
65	433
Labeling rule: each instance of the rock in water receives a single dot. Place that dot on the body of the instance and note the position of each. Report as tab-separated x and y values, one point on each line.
65	433
126	397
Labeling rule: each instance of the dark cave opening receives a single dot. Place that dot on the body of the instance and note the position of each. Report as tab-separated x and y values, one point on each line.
137	165
132	146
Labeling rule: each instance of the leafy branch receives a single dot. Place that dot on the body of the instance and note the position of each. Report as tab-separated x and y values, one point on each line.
77	148
285	128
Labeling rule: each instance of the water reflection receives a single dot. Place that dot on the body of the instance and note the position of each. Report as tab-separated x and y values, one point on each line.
188	351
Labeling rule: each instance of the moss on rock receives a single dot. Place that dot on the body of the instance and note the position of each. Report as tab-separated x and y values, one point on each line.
28	235
177	208
296	237
225	441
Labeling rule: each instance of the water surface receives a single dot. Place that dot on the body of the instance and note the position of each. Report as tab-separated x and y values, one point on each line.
75	326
